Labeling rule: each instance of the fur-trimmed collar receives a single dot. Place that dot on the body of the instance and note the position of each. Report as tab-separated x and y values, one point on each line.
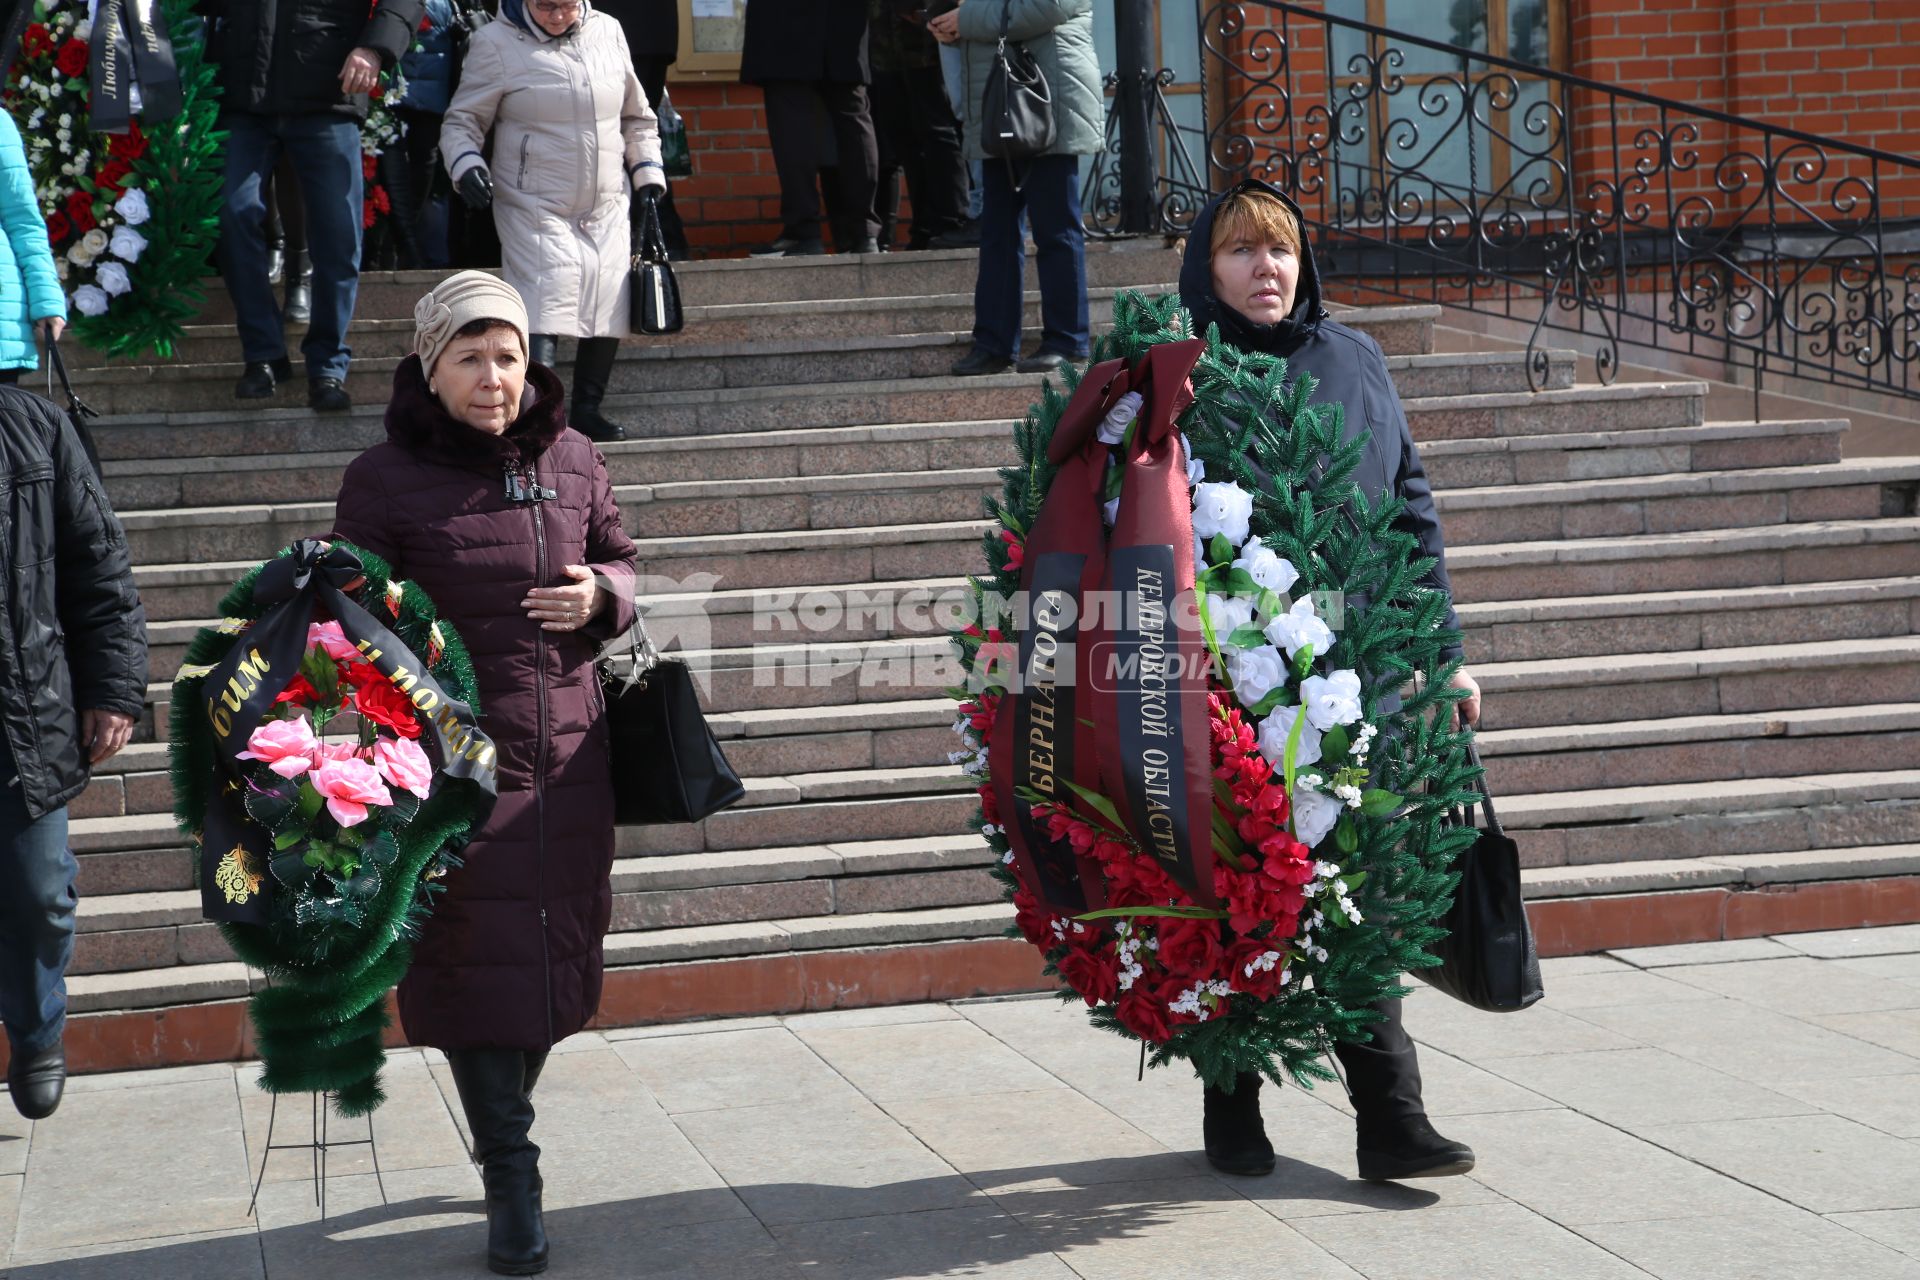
419	423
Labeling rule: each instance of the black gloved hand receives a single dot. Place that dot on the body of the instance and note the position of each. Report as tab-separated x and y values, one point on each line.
476	187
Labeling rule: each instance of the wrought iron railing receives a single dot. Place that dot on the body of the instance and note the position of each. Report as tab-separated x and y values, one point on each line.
1430	172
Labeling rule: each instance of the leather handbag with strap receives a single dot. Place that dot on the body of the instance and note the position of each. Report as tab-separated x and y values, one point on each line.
1016	108
667	766
1487	959
77	409
656	294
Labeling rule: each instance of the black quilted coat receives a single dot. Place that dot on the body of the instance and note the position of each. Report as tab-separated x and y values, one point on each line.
284	56
72	632
511	956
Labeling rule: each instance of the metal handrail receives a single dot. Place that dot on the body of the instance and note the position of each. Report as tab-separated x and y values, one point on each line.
1623	215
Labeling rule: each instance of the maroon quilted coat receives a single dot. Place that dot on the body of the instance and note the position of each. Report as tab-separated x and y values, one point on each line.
511	957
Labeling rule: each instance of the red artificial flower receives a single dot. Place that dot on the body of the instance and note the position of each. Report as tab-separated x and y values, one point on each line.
367	215
1191	948
72	58
381	200
369	165
1094	974
989	806
380	702
1247	969
113	175
58	229
36	41
80	211
128	146
1016	549
1143	1011
1034	921
299	690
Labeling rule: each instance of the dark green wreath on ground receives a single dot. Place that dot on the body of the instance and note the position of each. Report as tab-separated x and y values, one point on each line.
1252	426
319	1026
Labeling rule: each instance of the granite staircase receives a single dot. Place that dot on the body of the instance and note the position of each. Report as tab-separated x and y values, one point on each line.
1699	641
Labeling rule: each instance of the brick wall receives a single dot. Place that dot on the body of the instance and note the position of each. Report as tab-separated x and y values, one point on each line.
732	201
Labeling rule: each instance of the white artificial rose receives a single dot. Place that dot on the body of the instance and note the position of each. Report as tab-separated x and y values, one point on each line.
1199	553
1196	469
1314	815
1299	627
96	242
127	244
132	206
60	267
1331	700
77	254
1267	567
1273	739
1222	509
1113	427
1227	614
1255	672
112	277
89	300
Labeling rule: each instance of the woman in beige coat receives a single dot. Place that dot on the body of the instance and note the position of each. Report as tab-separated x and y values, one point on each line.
572	136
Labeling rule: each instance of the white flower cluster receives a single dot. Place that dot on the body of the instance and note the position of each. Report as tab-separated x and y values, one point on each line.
1327	884
1267	962
1130	947
1190	1001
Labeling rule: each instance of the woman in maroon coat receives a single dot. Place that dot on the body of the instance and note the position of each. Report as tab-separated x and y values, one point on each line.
504	515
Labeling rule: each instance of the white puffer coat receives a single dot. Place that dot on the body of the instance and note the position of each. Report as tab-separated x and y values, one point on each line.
572	138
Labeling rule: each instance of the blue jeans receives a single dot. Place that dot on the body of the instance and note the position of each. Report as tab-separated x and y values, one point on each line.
1051	199
37	901
325	150
953	70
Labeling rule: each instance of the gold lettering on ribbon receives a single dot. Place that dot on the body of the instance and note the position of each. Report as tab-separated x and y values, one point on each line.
238	876
1049	615
1156	766
240	686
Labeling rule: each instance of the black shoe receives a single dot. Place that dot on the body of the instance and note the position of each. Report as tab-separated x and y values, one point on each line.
36	1081
788	247
1236	1139
590	424
964	236
977	362
493	1089
299	308
261	379
1043	362
328	395
1409	1149
276	260
870	244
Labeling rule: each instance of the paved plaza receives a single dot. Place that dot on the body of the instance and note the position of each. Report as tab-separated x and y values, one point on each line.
1726	1110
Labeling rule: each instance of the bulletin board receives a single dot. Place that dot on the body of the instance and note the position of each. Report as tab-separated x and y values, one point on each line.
711	32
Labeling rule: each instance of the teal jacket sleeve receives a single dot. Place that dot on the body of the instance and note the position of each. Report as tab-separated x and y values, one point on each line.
26	227
1026	19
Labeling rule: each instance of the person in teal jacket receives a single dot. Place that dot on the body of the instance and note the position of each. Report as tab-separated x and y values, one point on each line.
30	293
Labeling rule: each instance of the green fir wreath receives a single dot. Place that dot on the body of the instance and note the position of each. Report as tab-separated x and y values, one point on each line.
1235	989
335	941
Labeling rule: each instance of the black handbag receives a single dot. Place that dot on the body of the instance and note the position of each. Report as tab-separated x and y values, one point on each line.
77	409
656	294
1016	108
667	767
1487	959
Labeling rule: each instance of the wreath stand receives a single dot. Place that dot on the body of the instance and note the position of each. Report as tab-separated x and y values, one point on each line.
319	1146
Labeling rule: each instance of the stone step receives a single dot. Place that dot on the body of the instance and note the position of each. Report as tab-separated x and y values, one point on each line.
1815	552
1597	455
1686	502
391	295
1739	871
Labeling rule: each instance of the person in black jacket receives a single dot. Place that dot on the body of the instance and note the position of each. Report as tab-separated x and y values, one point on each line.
809	57
295	78
73	679
653	40
1249	269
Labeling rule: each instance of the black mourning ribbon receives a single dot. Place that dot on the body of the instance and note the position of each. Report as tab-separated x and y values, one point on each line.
125	46
240	692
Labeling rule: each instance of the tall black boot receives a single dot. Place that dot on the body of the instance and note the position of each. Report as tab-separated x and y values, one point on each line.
299	308
1393	1138
493	1092
592	371
1236	1139
535	1061
543	348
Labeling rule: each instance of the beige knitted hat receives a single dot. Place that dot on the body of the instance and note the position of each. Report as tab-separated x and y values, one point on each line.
458	301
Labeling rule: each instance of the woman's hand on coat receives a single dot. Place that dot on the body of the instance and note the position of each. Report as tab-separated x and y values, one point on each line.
360	72
566	608
945	27
476	187
1468	708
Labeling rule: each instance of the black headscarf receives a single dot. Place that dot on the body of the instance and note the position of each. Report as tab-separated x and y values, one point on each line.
1282	337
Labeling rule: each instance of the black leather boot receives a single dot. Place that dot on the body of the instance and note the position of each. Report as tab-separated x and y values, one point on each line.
36	1081
592	371
1236	1139
543	348
1393	1138
299	308
535	1063
493	1089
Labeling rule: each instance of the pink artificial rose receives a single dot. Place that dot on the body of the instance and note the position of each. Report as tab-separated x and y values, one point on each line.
401	762
349	787
329	636
338	751
286	746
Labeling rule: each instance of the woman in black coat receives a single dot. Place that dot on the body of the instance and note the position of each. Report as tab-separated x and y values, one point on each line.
1249	269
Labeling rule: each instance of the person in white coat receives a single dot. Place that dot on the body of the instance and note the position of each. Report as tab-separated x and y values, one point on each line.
573	140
